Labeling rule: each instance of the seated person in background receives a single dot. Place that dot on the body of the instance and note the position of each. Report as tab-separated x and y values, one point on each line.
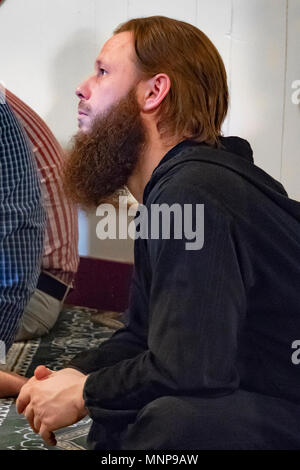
60	256
205	359
22	223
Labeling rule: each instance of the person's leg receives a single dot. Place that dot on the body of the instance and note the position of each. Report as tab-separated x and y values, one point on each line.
39	316
102	437
107	426
242	420
10	384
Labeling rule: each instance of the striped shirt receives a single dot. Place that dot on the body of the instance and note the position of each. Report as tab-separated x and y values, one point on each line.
22	223
60	256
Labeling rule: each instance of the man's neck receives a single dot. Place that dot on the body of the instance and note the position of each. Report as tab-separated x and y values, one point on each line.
152	154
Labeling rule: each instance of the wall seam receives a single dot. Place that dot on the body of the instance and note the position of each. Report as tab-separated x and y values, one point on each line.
230	67
284	87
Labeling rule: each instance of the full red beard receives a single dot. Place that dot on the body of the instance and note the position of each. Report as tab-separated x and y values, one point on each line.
101	161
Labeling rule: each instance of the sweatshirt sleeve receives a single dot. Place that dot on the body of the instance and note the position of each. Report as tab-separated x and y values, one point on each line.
196	305
125	343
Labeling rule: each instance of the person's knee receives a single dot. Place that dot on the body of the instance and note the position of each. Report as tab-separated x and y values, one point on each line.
155	426
163	410
39	316
186	423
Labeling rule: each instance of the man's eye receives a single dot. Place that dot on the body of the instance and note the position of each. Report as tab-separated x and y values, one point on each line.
101	71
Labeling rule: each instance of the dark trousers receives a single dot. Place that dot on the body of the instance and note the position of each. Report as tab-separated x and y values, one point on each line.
242	420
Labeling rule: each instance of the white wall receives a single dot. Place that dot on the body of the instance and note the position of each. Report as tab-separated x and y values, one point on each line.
47	47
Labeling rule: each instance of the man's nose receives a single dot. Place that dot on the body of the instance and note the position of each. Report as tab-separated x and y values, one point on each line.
83	90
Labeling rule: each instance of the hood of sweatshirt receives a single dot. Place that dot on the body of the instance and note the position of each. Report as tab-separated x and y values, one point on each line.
234	154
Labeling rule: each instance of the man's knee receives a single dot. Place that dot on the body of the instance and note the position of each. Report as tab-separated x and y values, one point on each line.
162	410
159	425
186	423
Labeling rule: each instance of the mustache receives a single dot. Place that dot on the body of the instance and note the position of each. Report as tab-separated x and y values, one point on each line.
83	108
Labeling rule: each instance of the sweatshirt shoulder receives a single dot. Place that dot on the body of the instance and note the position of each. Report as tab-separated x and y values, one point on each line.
194	181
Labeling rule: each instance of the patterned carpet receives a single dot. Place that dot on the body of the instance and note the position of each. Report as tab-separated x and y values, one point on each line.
77	329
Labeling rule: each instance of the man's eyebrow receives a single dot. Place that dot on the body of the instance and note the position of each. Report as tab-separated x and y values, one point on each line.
100	63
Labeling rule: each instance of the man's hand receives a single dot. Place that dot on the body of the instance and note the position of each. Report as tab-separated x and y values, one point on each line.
52	400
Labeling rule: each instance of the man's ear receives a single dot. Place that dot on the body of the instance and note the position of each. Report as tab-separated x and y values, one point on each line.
154	91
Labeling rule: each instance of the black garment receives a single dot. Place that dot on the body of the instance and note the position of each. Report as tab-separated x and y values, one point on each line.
241	421
212	322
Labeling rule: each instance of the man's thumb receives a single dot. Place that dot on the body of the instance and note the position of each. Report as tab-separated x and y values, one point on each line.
41	372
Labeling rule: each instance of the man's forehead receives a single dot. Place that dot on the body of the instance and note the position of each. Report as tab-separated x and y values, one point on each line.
117	48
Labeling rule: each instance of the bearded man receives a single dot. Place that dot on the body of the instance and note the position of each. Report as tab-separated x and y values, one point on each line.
204	361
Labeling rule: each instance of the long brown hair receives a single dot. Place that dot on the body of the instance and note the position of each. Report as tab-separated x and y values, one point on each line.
197	102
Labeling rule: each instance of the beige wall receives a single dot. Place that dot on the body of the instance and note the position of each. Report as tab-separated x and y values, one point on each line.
48	47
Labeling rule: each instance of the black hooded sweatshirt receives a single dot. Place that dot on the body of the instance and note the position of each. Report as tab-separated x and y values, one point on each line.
207	322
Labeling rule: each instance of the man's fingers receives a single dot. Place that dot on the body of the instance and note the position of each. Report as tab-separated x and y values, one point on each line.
47	436
22	400
42	372
36	424
29	415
